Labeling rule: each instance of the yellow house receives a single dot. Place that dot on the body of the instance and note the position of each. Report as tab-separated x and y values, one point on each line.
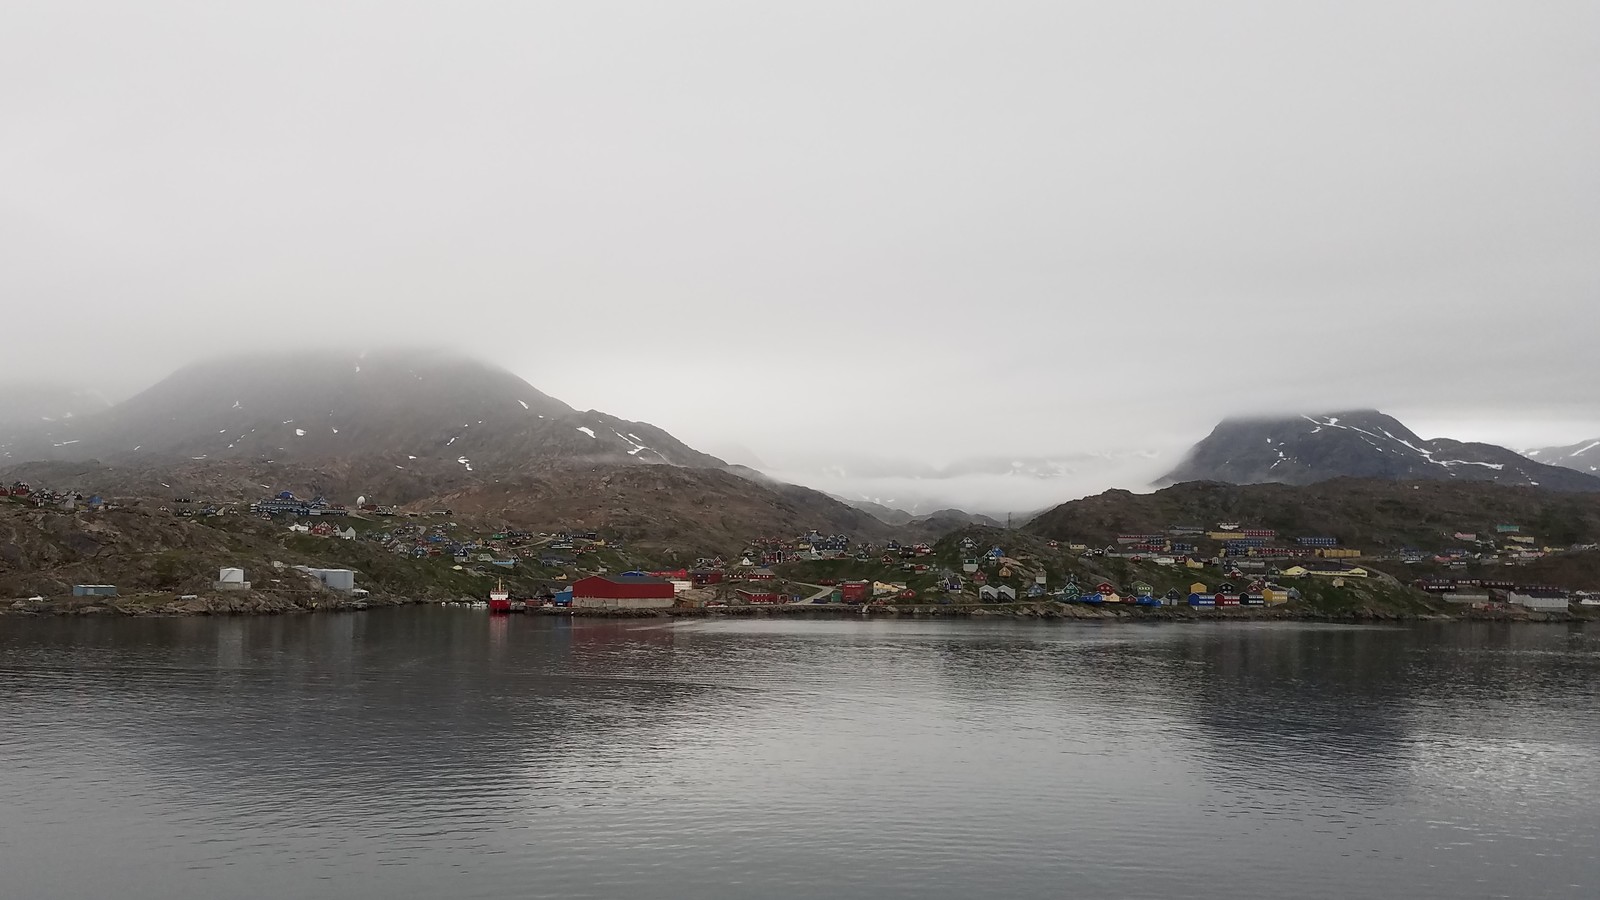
1197	588
1194	563
1224	535
1077	548
1273	596
1338	552
1294	572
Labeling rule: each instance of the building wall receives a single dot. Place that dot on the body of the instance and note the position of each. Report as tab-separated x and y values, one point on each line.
623	602
338	579
1548	603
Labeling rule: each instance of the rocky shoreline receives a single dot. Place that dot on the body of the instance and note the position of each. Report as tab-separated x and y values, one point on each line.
1071	612
255	603
251	603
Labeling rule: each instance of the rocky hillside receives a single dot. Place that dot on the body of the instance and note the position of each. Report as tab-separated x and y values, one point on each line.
1368	513
1359	444
1583	456
409	428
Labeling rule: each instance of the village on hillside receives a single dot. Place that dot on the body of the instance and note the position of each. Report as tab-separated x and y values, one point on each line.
434	555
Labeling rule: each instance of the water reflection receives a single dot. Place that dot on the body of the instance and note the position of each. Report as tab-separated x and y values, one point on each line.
442	752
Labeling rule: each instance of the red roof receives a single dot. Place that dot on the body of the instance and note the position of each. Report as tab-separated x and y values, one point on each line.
622	587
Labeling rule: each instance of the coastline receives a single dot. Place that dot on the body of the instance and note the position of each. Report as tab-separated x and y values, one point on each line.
267	604
249	603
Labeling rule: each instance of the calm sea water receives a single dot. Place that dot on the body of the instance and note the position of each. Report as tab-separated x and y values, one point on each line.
440	753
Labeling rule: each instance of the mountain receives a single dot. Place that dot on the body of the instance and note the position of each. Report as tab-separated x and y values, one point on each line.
401	406
419	428
1357	444
939	521
1583	456
31	415
886	514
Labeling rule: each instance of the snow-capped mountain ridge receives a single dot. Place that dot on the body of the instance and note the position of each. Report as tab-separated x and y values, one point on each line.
1365	444
1583	456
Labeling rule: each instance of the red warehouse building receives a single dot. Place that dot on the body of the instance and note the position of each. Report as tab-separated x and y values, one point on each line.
855	591
623	592
758	595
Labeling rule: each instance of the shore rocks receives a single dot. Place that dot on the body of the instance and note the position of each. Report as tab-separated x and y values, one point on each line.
232	604
264	603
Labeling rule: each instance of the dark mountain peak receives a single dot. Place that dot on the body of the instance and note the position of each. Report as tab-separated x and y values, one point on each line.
1364	443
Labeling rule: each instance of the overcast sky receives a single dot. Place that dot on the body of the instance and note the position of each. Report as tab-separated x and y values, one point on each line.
921	230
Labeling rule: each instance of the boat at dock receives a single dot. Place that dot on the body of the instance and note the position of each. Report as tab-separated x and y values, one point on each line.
500	598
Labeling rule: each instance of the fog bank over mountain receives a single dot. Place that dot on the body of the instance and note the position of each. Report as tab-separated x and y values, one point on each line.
995	487
925	230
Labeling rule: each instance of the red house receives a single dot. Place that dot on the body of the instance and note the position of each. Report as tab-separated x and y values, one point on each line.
703	577
622	592
757	595
855	591
759	575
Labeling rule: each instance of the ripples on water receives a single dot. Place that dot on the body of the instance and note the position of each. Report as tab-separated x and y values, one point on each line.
440	753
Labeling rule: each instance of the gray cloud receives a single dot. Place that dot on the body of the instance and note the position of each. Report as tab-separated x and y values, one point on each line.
918	230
